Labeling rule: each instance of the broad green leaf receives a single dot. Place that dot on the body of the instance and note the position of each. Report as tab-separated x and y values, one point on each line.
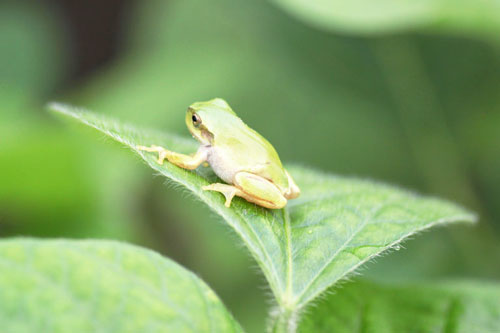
101	286
446	307
335	226
375	17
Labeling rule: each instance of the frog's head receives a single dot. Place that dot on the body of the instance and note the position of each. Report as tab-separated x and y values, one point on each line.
205	119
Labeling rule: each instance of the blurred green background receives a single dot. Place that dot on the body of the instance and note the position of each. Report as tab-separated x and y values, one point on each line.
405	92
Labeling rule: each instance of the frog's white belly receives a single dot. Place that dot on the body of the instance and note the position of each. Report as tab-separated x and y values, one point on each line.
222	164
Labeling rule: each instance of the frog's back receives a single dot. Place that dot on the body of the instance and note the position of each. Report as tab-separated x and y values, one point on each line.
246	150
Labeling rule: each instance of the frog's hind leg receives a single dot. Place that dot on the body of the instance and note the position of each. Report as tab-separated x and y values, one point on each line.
259	190
231	191
252	188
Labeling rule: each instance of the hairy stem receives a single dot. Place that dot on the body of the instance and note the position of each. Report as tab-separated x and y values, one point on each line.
283	321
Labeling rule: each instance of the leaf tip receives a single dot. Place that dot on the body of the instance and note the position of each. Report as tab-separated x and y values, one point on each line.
471	217
65	109
466	216
56	107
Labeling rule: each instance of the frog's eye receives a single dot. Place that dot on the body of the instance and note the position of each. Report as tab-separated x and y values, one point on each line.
196	120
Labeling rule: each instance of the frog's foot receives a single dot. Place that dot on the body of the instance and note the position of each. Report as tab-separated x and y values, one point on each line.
229	191
162	152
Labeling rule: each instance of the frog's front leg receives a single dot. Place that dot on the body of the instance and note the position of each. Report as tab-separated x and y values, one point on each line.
252	188
184	161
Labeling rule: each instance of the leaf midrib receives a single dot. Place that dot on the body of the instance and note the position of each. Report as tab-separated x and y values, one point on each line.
289	261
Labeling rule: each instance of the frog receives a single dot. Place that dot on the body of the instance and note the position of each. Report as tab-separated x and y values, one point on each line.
247	163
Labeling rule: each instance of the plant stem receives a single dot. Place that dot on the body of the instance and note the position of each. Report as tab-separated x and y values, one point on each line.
284	321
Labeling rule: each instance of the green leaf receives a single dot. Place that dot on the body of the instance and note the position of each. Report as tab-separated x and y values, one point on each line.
375	17
335	226
446	307
101	286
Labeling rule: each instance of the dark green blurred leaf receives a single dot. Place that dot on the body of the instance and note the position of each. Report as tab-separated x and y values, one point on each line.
335	226
368	307
104	286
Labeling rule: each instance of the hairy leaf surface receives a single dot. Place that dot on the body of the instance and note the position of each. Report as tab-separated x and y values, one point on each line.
102	286
336	225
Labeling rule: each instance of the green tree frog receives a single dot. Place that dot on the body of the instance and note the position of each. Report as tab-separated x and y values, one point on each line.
240	156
